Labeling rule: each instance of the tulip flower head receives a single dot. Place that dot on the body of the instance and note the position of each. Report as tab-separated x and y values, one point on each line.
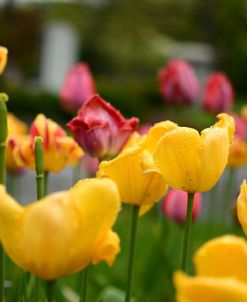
100	129
178	83
77	88
3	58
218	95
187	160
59	149
221	273
17	133
174	205
63	232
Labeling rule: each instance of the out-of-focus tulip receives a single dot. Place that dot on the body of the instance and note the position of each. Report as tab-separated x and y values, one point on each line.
89	165
77	88
144	128
135	186
64	232
218	95
187	160
17	133
174	205
238	150
100	129
221	273
3	58
242	206
178	83
60	150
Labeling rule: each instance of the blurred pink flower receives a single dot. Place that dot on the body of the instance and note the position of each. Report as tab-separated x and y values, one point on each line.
144	128
174	205
78	87
218	93
89	165
100	129
178	82
240	127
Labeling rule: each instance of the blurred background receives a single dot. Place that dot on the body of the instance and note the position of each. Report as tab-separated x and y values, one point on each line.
124	42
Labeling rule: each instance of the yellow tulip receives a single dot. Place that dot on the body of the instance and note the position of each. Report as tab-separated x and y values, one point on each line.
238	153
64	232
3	58
17	133
187	160
221	273
135	186
60	150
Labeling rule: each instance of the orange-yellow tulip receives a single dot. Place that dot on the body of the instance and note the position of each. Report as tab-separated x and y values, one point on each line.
187	160
60	150
63	232
221	273
17	133
3	58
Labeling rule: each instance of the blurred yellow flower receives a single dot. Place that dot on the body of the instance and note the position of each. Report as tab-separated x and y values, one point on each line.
238	153
135	186
221	273
242	206
17	133
64	232
3	58
60	150
187	160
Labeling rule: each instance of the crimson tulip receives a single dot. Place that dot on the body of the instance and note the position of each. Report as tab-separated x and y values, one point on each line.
100	129
218	94
178	82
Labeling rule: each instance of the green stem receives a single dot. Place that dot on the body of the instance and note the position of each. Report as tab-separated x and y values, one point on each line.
50	290
46	181
132	252
84	278
3	138
39	167
187	233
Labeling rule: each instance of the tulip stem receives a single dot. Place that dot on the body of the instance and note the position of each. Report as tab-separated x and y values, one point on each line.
187	232
50	290
3	138
39	167
132	251
84	278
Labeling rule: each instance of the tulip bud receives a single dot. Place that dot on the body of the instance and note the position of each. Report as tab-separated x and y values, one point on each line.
78	87
218	93
3	58
174	205
100	129
178	82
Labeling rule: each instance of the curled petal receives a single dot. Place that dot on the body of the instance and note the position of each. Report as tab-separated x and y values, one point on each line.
205	289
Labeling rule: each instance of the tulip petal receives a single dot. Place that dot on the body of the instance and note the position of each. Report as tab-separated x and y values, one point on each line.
207	289
225	256
3	58
178	156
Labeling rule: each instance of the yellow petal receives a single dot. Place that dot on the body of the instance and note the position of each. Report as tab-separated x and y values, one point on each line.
135	187
238	153
16	126
59	234
242	206
207	289
178	156
107	249
225	256
155	133
3	58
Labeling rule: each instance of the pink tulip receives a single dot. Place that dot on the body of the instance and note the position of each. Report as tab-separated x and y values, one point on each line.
218	94
174	205
100	129
240	127
78	87
178	82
